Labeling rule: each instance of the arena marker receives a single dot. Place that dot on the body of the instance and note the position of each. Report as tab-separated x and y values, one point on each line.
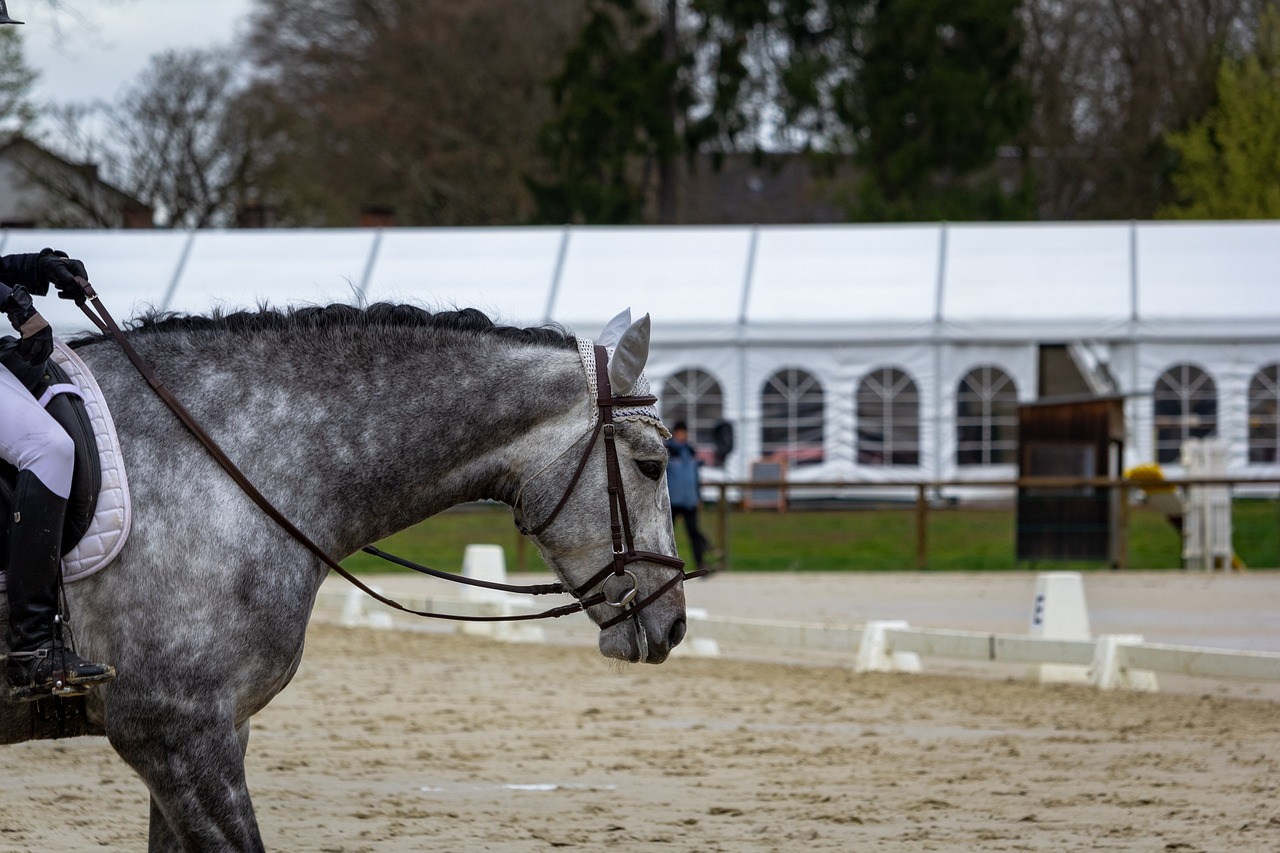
1058	612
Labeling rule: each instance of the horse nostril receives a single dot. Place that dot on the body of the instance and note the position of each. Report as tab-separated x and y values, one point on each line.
676	633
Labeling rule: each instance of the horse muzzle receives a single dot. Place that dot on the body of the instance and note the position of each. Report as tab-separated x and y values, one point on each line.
649	635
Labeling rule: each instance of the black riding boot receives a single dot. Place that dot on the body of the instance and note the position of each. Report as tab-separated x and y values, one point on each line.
39	664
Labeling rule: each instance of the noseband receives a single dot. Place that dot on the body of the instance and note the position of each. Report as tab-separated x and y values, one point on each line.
623	544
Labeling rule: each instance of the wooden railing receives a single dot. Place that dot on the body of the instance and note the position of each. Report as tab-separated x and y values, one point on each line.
1125	488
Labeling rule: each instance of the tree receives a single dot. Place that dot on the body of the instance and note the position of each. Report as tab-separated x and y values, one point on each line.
775	76
823	78
185	139
617	116
1229	162
16	80
937	95
430	107
1109	79
188	144
646	86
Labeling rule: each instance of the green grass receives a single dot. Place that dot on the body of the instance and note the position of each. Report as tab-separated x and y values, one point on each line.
834	540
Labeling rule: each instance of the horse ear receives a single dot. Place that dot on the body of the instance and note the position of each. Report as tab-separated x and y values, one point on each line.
614	328
628	360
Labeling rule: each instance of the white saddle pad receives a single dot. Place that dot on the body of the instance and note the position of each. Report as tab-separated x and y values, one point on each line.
110	526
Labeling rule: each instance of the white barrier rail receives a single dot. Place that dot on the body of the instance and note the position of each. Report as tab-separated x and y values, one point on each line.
1058	648
980	645
1200	662
1111	660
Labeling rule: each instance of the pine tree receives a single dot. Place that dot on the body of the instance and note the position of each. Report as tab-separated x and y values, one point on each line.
938	94
616	124
1229	162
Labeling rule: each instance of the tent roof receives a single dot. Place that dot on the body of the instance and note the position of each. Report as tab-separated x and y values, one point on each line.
709	284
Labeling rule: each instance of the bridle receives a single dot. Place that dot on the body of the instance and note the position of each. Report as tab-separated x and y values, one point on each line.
623	544
624	550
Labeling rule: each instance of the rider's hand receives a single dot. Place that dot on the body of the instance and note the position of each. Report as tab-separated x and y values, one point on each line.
37	338
59	270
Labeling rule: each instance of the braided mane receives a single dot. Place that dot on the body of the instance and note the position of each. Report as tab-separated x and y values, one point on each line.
338	317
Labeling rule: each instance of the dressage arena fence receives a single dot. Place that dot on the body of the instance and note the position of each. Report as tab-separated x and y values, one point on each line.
1056	649
928	496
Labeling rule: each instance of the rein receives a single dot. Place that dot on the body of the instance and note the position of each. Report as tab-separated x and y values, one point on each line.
620	523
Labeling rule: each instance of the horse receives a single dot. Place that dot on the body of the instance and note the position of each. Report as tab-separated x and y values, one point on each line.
355	423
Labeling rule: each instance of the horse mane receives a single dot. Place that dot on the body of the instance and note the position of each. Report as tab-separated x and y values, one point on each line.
338	317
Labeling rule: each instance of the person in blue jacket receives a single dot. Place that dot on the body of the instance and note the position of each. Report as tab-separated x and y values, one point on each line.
685	487
38	664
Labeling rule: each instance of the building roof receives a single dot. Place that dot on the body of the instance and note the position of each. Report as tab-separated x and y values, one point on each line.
36	187
712	284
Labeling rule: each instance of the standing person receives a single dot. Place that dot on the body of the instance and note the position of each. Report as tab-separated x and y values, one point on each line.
34	443
685	488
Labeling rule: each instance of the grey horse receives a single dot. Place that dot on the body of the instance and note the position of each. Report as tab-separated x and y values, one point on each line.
355	423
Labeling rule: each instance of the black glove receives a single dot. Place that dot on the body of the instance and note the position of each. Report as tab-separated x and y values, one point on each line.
59	270
37	338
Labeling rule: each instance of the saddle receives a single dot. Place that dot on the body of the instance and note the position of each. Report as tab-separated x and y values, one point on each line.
67	407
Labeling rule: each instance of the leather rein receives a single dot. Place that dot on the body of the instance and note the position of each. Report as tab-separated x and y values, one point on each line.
624	551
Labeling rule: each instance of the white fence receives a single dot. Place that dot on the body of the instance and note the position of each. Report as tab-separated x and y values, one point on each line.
1107	662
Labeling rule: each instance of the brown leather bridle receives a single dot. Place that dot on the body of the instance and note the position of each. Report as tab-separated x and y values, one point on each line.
624	551
623	544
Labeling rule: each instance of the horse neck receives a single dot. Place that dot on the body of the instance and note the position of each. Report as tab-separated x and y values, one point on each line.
357	439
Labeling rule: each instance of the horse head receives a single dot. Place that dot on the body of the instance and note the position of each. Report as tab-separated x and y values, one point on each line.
599	511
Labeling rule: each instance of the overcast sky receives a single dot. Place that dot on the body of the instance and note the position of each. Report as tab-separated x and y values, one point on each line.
96	48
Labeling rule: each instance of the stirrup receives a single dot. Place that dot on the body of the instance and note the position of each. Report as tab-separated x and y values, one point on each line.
28	693
63	687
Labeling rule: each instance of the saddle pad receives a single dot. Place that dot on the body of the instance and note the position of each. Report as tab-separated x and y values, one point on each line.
110	526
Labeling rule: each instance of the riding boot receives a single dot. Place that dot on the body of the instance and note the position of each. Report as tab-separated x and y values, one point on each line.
39	664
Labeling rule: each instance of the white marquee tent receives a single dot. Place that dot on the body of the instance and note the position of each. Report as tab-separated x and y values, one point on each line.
869	353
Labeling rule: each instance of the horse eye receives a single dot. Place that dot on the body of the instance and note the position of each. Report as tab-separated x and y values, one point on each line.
650	468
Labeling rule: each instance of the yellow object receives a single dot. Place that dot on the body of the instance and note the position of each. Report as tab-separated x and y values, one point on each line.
1149	478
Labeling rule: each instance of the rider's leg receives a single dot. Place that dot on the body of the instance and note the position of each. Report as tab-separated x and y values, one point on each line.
38	663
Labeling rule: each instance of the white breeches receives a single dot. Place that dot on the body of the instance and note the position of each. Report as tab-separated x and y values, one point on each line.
31	440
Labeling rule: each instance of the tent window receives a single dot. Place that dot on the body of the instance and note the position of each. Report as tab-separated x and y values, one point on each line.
1264	424
694	396
1185	404
888	418
986	418
792	411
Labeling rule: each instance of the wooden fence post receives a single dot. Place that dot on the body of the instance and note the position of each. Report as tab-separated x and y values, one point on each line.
723	513
922	524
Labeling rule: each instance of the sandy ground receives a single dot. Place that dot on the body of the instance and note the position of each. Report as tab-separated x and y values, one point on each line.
401	741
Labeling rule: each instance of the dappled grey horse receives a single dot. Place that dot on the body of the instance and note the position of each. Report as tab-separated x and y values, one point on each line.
355	423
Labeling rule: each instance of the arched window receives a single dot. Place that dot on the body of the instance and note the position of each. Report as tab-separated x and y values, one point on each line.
1264	425
888	418
792	417
1185	405
986	418
694	396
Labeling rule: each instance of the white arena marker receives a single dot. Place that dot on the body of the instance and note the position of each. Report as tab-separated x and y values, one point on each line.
1058	612
1108	672
489	563
874	653
484	563
353	609
376	614
356	612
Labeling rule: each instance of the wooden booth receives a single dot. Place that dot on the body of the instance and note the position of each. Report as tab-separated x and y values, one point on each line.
1069	438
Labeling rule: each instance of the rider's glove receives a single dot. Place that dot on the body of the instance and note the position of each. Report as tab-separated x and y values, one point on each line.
37	338
54	267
